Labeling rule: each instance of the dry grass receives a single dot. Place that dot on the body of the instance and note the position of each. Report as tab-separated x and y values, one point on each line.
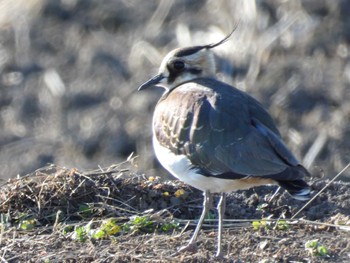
74	102
41	212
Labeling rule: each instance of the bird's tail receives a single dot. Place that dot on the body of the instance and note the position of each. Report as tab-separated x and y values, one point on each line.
298	189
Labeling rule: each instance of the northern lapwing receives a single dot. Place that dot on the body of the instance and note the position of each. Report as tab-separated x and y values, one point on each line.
215	137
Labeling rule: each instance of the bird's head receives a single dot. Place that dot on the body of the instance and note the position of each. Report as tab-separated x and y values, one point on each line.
185	64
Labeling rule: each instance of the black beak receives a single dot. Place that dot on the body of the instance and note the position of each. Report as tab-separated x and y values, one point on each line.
152	82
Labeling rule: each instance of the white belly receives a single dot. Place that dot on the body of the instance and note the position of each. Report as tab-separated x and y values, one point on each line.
179	166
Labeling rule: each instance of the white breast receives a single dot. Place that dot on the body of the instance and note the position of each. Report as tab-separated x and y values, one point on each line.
179	166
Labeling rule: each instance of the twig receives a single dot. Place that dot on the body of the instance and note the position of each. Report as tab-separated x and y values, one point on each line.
313	198
315	149
343	227
237	223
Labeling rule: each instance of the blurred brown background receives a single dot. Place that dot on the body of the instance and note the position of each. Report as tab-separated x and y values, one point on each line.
69	71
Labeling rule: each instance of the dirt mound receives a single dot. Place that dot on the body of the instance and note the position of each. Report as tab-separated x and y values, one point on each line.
115	215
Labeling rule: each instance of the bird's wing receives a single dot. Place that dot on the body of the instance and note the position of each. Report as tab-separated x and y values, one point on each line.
226	131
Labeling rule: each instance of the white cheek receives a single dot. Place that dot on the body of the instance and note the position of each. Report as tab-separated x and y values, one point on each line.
181	79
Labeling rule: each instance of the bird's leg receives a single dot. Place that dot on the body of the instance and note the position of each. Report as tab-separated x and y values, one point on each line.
206	206
221	210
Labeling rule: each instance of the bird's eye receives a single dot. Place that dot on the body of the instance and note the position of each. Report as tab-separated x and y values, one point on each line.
178	65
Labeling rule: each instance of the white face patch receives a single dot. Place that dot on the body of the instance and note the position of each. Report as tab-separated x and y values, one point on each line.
199	64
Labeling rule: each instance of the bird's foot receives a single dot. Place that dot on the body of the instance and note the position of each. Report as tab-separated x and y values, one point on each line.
190	247
219	255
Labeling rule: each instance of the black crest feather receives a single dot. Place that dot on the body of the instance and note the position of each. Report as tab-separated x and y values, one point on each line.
221	41
192	50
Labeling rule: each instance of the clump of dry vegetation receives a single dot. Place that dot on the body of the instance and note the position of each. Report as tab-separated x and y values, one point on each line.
73	100
111	192
114	214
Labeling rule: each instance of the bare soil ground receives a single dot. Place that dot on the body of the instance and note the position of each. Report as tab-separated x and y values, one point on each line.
68	81
68	90
41	214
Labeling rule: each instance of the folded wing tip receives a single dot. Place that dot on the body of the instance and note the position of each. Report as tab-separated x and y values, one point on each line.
302	195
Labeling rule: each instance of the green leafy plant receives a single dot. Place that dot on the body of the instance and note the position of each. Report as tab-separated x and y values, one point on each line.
167	227
316	249
146	225
27	224
281	225
108	228
81	233
140	224
268	224
68	229
259	224
85	210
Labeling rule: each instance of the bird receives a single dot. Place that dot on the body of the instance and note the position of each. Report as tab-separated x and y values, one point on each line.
216	137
